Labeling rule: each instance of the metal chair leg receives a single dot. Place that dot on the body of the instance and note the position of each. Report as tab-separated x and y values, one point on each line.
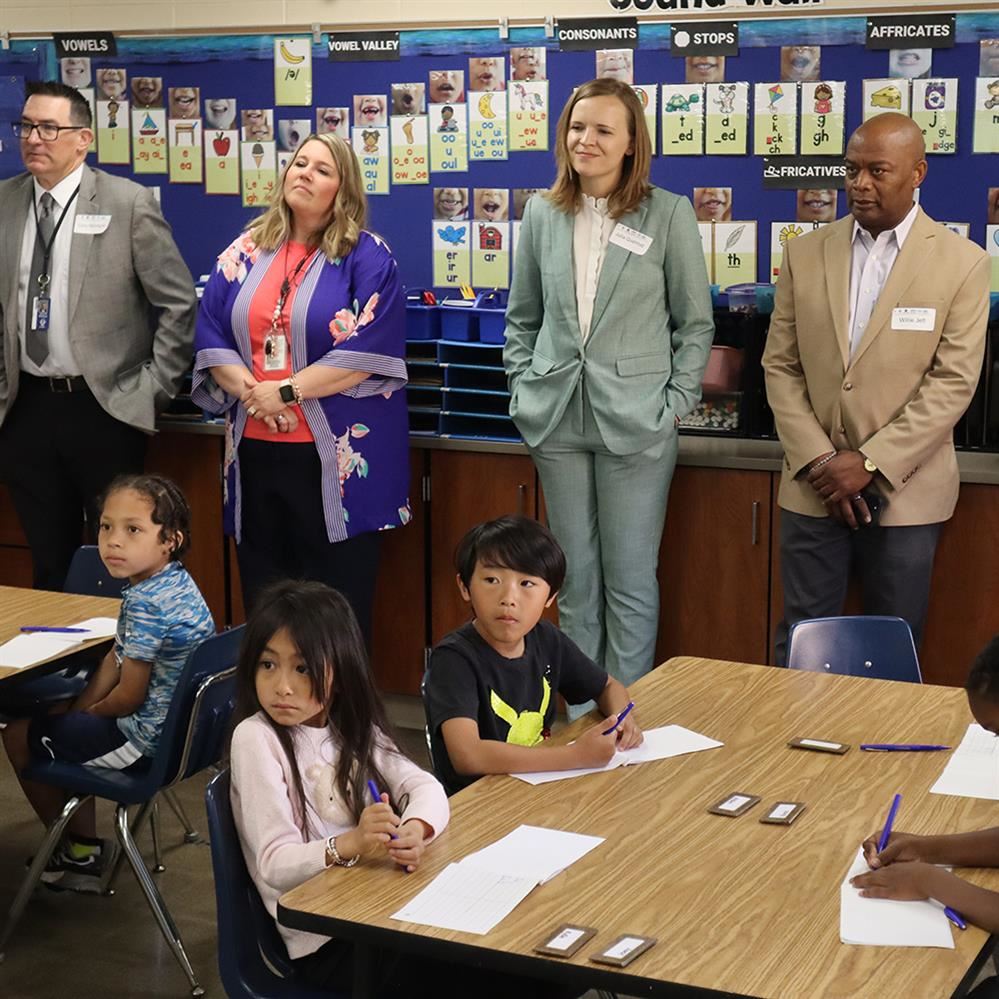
140	817
154	830
190	833
37	868
162	915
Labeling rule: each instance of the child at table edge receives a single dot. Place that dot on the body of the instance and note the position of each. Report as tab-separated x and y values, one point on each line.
115	723
906	868
491	686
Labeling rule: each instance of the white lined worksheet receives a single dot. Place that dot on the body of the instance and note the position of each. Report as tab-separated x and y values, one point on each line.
973	769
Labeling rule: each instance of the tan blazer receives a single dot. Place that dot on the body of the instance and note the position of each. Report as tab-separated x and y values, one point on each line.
899	397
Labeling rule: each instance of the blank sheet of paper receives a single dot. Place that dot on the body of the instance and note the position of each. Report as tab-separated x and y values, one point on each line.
658	744
468	898
973	769
99	627
28	649
533	852
882	922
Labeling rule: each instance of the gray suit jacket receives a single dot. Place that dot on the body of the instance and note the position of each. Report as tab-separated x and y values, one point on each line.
650	334
131	298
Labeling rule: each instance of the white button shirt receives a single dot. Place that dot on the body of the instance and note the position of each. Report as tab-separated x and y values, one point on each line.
60	360
591	233
871	264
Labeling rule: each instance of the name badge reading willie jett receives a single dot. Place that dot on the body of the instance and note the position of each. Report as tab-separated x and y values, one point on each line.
630	239
91	225
917	320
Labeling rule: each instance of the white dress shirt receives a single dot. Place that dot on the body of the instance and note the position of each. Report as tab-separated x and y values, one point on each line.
871	264
590	235
60	360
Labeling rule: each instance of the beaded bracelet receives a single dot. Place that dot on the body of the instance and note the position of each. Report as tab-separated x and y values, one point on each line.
823	461
333	854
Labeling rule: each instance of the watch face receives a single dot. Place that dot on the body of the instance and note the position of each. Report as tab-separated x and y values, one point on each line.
869	465
287	393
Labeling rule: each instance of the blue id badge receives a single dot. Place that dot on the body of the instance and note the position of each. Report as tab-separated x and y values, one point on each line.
40	313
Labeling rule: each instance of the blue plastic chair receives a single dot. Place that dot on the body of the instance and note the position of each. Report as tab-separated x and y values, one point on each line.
878	647
87	574
192	740
249	943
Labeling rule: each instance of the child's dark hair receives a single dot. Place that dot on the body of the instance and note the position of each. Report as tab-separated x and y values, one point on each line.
323	627
983	677
513	542
170	509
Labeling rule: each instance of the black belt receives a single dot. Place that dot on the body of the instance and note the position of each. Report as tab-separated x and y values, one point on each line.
55	383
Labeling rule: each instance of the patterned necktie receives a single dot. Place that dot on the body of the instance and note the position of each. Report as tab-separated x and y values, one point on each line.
36	342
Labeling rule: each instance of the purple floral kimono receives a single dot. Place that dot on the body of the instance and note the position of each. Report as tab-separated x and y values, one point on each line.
345	314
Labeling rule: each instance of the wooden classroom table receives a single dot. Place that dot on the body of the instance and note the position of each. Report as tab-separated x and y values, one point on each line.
21	606
737	906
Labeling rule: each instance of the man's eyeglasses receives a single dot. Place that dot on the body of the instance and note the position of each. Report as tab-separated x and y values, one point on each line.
47	132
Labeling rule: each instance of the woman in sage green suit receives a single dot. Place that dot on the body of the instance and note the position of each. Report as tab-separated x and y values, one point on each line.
608	332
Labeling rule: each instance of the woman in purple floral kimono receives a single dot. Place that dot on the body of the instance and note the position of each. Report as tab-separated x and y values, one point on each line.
300	343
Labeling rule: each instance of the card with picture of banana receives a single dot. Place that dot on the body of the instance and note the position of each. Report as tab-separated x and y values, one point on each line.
293	71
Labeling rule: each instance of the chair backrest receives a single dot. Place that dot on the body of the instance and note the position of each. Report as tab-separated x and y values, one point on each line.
878	647
196	724
88	575
247	933
244	925
426	726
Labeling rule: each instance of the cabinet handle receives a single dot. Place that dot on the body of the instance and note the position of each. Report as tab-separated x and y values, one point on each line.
755	539
522	499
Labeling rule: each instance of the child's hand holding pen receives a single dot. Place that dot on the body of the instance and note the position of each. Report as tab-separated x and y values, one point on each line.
408	846
901	847
377	827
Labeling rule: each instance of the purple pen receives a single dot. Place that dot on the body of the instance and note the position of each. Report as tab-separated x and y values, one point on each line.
955	917
373	788
46	629
886	832
620	718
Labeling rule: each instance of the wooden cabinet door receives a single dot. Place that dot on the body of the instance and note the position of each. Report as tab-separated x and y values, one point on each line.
194	462
964	596
399	615
714	566
465	489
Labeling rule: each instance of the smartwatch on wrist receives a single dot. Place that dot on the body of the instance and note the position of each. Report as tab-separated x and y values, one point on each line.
286	391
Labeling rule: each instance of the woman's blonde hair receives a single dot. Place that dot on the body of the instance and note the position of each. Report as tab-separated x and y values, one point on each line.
566	193
348	212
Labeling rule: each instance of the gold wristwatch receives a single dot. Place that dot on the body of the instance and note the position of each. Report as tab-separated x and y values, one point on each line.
869	465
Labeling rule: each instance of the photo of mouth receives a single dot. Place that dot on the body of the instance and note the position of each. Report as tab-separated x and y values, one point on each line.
408	98
910	64
485	74
817	205
491	204
705	69
713	204
800	63
446	86
369	110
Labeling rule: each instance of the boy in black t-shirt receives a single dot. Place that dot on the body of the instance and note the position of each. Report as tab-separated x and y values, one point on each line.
491	687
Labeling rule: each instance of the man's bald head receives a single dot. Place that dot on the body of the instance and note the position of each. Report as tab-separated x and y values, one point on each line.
885	163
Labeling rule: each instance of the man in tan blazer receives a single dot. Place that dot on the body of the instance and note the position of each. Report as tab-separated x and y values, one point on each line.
874	351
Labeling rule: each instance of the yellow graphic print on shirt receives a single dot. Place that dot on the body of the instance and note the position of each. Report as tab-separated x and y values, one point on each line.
527	727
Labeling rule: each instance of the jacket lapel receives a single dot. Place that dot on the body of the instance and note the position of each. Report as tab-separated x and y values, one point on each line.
10	248
562	226
916	253
80	247
838	256
614	260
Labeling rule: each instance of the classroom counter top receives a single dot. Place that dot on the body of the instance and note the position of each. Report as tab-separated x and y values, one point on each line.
695	449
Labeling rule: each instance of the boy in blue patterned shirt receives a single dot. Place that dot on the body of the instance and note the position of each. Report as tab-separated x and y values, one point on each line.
116	722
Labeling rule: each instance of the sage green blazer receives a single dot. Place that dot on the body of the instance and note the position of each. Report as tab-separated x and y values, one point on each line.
650	334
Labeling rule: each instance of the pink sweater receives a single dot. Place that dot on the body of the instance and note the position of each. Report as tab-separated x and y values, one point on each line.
277	855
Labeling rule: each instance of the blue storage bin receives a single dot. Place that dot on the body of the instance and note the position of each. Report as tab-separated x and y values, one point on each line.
459	322
491	307
423	322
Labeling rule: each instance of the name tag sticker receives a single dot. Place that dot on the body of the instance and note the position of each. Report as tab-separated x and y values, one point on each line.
630	239
91	225
916	320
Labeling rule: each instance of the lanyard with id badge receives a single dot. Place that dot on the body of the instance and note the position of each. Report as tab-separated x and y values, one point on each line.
41	302
276	341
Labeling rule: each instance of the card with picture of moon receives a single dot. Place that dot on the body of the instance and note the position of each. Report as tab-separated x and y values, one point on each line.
487	131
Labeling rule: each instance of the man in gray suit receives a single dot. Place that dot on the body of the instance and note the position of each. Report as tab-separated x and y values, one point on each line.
97	311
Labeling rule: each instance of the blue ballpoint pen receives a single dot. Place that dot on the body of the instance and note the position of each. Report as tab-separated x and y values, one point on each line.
899	747
886	832
956	918
620	718
373	788
58	631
